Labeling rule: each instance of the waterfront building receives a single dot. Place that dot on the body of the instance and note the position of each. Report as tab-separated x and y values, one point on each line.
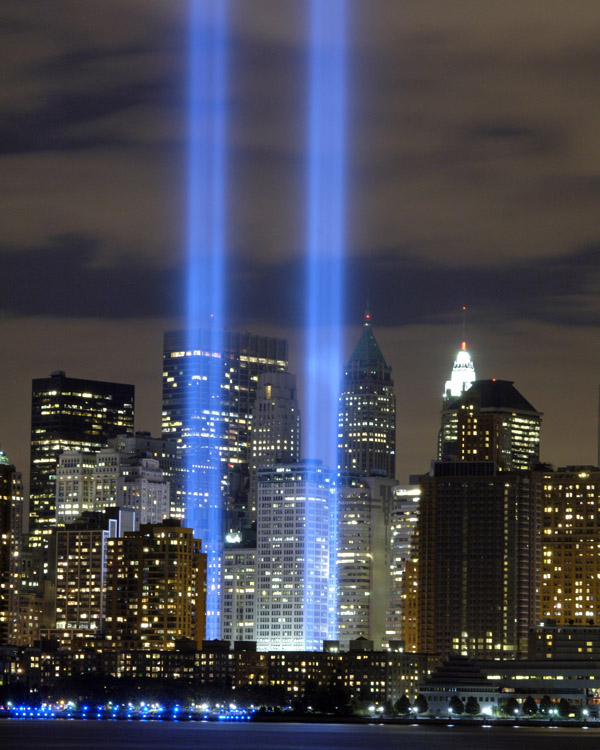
156	588
81	568
477	561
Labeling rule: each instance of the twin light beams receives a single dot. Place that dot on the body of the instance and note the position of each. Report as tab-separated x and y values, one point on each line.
207	242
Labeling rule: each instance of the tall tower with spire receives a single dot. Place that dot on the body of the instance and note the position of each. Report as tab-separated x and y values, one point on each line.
367	410
463	371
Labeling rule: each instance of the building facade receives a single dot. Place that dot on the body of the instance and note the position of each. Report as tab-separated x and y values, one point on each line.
81	569
11	527
404	515
69	414
111	478
478	558
296	586
156	588
239	593
364	559
570	544
491	421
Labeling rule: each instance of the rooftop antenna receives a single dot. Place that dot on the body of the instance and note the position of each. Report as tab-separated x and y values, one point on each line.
464	327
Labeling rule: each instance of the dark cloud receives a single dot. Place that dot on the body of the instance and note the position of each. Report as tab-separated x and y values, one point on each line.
70	277
473	178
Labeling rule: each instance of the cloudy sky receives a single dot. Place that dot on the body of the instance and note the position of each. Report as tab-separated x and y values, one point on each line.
474	179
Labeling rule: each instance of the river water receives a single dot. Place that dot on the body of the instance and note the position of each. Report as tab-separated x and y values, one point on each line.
95	735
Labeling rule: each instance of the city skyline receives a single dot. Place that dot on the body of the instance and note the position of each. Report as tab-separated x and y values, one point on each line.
472	180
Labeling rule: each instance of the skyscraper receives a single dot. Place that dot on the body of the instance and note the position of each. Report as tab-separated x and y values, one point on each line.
570	539
491	421
69	414
367	411
295	584
11	519
226	430
477	561
404	515
363	558
208	397
156	588
81	568
275	420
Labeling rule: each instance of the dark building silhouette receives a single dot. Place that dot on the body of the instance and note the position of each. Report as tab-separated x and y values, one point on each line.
491	421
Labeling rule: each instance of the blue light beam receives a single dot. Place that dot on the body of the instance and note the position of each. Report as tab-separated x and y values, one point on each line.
325	244
203	425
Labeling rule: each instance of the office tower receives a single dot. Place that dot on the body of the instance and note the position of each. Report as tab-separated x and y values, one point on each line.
275	420
295	558
239	594
75	492
367	411
109	478
143	445
208	397
275	426
570	543
491	421
404	515
75	415
363	558
11	520
224	433
81	568
156	588
477	553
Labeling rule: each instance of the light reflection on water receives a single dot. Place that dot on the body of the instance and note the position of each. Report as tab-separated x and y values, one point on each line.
213	736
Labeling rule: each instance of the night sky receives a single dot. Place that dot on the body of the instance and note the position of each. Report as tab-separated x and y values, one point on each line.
474	179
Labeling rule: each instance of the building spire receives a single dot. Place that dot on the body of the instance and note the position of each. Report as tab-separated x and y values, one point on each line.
368	309
463	371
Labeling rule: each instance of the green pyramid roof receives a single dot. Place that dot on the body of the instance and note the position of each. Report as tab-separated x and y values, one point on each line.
367	350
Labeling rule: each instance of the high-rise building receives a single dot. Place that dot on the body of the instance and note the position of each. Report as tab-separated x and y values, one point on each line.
363	558
143	445
404	515
275	426
197	427
275	420
295	558
239	594
367	411
69	414
570	543
81	568
109	478
491	421
477	556
11	520
156	588
208	397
